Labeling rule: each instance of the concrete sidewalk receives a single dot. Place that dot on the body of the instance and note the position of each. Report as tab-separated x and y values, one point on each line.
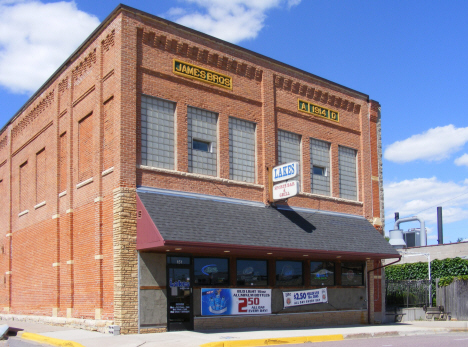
242	337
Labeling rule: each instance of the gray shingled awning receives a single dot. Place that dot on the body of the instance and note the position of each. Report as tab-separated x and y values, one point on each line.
204	222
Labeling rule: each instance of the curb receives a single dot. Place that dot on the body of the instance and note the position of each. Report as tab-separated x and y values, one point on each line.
49	340
274	341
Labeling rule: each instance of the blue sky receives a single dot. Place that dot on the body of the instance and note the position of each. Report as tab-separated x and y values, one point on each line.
410	56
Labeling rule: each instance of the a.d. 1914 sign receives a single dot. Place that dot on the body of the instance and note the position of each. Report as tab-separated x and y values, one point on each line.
316	110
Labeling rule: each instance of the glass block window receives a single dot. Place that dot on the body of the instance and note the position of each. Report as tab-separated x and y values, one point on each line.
241	150
211	271
157	132
252	272
202	141
289	147
322	273
288	273
320	167
348	176
352	274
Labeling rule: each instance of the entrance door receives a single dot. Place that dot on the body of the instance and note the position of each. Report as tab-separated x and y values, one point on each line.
179	293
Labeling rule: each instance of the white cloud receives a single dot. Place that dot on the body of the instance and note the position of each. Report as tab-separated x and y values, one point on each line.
36	38
463	160
434	144
233	20
409	197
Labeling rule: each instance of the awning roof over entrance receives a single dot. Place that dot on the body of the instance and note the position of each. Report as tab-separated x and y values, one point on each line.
203	224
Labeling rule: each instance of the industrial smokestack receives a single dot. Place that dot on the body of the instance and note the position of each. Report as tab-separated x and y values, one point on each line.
440	231
397	216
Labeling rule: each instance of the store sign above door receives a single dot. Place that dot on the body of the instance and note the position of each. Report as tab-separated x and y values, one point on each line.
201	74
319	111
285	172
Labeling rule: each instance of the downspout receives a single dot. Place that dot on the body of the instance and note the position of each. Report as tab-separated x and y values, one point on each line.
368	286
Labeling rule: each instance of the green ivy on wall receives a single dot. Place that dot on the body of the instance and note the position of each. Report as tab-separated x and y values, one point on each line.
451	267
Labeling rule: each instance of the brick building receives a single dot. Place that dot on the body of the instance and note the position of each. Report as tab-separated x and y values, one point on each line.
136	180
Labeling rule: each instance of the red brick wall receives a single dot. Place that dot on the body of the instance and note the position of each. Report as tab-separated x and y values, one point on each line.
60	254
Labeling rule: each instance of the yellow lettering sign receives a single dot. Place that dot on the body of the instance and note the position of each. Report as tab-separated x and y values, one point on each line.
196	72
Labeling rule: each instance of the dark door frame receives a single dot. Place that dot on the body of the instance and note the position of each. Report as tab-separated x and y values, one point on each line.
190	324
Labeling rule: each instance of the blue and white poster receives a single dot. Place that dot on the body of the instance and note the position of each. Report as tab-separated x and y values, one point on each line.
305	297
220	301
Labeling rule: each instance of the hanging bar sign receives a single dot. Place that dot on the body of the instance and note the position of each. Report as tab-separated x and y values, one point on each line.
285	190
285	172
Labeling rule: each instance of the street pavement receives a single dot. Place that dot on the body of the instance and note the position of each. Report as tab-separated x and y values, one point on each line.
231	338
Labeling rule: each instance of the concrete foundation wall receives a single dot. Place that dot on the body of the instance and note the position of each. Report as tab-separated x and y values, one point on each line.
289	320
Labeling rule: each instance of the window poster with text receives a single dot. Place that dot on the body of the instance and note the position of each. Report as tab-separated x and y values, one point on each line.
223	301
305	297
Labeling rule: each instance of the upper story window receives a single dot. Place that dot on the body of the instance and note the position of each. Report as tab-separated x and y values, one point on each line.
289	147
320	167
241	150
157	132
348	174
202	141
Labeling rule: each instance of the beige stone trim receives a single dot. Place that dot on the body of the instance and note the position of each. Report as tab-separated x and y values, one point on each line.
70	262
198	176
9	235
69	312
55	264
8	273
55	216
84	183
23	213
55	311
98	313
332	198
69	210
125	261
99	257
99	198
377	221
39	205
375	178
63	193
6	309
108	171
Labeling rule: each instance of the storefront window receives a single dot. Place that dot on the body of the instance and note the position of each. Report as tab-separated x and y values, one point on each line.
211	271
288	273
252	273
322	273
352	274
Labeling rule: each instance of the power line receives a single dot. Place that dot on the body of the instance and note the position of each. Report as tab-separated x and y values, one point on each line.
440	203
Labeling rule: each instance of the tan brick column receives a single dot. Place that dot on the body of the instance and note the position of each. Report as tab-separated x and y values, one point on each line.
125	261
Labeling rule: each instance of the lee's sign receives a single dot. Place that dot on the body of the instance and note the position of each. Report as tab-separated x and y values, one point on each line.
285	190
285	172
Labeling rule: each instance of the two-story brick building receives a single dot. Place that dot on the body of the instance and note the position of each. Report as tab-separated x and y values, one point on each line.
136	188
